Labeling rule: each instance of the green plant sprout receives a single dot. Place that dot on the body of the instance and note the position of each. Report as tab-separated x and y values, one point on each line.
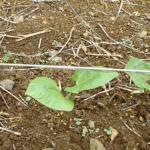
6	57
46	91
108	131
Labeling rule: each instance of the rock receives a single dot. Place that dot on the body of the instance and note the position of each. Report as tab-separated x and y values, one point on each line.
84	131
143	34
86	34
7	84
114	134
18	18
28	98
48	149
51	52
112	1
84	48
147	15
56	59
39	1
113	18
91	13
96	145
91	124
57	44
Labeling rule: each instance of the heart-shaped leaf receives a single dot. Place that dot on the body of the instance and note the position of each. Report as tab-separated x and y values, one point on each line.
141	80
86	80
46	91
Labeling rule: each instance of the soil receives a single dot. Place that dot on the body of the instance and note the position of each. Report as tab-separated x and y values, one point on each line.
43	128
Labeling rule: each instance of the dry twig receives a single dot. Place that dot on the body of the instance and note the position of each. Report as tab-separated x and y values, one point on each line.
120	8
64	44
22	37
12	95
4	100
127	126
10	131
99	93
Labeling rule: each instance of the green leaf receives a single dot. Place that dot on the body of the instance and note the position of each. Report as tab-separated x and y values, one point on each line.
78	121
6	57
108	131
86	80
139	79
46	91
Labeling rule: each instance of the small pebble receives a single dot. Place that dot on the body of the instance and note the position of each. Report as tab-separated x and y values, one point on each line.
84	131
96	145
56	59
143	34
7	84
91	124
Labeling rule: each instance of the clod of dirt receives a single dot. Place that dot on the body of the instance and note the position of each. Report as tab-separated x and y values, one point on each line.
91	124
48	149
7	84
96	145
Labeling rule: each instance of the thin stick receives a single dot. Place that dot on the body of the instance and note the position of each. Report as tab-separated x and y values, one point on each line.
120	8
127	126
23	99
22	37
4	100
64	44
40	41
73	68
80	18
99	48
7	20
130	90
117	42
11	36
31	12
132	106
109	37
94	54
14	147
4	113
10	131
102	92
2	39
112	97
12	95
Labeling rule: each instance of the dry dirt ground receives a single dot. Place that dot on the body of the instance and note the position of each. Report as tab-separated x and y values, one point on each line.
97	26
